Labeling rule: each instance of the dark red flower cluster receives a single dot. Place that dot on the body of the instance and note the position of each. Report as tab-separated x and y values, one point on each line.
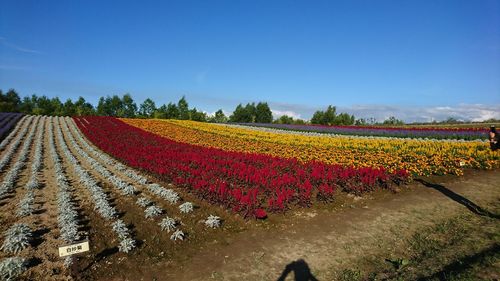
247	183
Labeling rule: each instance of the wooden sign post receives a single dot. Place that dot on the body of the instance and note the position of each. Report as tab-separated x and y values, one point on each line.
72	249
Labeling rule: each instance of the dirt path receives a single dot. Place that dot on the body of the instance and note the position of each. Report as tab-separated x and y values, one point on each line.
329	240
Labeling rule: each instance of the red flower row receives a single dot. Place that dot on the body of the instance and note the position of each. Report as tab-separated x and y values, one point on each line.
246	183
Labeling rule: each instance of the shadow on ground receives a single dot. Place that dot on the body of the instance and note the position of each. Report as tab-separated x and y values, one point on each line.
300	269
478	210
102	255
464	264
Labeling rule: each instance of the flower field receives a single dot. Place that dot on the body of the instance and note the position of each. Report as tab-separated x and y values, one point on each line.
57	189
419	157
247	183
7	122
400	132
138	186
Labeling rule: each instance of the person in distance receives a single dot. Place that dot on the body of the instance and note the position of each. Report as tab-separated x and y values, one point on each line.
494	139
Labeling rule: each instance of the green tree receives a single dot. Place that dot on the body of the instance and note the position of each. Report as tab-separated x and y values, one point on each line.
241	114
317	117
251	112
147	108
83	108
172	111
361	122
299	122
285	119
263	113
27	105
110	106
393	121
69	108
116	105
161	112
44	106
183	108
57	107
329	116
129	107
219	117
196	115
9	102
102	107
452	120
344	119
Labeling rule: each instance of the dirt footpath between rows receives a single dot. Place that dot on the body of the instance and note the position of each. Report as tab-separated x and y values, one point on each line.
323	241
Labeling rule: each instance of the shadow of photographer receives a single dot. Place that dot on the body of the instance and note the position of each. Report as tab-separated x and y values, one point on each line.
300	269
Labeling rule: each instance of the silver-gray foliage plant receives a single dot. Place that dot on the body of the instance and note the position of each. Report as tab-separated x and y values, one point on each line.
153	211
177	235
67	215
124	187
11	268
17	238
120	228
186	207
25	206
101	201
143	202
126	245
167	224
8	183
212	221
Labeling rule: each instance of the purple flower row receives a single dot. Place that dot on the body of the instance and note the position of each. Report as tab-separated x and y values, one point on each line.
430	133
7	121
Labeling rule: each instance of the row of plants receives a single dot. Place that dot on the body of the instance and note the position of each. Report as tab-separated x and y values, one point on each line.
19	236
419	157
7	122
328	135
248	183
99	197
11	176
7	140
14	139
151	209
67	209
167	224
26	205
385	131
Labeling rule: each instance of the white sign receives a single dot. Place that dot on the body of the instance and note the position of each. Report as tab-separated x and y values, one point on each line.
74	249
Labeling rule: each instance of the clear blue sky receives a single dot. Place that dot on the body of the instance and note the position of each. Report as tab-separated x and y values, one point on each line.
297	55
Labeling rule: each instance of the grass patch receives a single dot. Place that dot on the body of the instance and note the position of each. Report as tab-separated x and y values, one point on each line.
464	247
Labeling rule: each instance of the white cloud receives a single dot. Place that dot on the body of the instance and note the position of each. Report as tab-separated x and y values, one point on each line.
466	112
17	48
278	113
212	114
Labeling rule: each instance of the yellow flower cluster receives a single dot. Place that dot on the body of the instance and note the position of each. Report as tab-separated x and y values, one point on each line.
417	156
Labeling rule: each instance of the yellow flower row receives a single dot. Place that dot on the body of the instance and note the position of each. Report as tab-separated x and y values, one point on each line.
416	156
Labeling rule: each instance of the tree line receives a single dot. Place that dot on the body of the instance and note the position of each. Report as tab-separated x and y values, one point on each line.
115	106
126	107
